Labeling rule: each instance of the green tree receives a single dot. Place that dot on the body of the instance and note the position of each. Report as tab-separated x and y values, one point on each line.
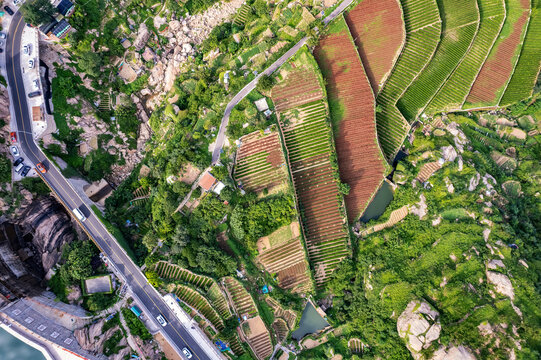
90	62
153	278
265	82
126	119
79	258
5	169
38	12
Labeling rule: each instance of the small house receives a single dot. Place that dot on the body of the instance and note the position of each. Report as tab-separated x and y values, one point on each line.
65	7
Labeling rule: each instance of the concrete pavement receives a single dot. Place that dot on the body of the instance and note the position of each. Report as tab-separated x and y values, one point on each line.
252	84
151	301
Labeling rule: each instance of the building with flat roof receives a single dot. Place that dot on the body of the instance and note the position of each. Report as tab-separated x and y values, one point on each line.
65	7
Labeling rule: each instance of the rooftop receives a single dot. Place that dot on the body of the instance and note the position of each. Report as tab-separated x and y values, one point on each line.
207	181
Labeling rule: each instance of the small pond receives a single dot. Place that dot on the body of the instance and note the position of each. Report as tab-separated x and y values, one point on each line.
311	322
383	197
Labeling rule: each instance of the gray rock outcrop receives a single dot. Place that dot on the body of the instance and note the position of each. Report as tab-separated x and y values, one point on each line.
419	325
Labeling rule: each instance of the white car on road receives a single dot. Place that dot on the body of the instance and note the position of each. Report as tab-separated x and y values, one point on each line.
14	150
187	353
161	320
31	63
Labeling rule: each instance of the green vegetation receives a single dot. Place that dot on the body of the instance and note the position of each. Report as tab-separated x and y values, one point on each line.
423	35
5	169
136	326
37	12
110	346
460	24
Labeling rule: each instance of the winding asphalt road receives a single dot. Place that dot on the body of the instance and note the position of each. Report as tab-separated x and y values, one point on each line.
148	297
252	84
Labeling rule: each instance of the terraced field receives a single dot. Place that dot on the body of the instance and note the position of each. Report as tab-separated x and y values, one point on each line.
496	71
170	271
285	258
308	139
423	27
298	88
378	30
201	304
452	94
260	164
352	110
241	299
527	69
460	24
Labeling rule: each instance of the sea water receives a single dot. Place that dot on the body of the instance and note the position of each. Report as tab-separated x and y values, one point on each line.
12	348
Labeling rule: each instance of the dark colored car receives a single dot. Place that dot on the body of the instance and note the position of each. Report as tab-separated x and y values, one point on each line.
34	94
18	161
8	10
25	171
1	50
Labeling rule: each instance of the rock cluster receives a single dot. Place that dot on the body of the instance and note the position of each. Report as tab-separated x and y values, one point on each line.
92	339
419	325
183	34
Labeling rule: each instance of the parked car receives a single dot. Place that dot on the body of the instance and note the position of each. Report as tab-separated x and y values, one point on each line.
18	165
161	320
13	135
41	168
18	161
25	171
26	49
14	150
3	35
1	50
187	353
1	42
36	84
17	2
34	94
8	10
31	63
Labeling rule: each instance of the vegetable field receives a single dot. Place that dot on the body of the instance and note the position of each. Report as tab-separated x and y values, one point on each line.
286	258
378	29
360	161
460	24
453	93
198	302
527	70
423	27
170	271
241	299
260	163
496	71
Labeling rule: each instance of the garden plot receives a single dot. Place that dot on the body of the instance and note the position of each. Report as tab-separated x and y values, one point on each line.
260	164
258	337
496	71
170	271
282	253
453	93
378	29
289	316
300	85
242	301
352	109
527	70
460	26
423	28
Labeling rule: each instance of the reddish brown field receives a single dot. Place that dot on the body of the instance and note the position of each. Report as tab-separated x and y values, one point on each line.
498	67
377	28
359	157
299	88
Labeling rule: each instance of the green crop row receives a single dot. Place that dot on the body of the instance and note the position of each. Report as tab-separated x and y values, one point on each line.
527	69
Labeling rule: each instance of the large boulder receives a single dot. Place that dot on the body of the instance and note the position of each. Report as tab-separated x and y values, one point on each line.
419	326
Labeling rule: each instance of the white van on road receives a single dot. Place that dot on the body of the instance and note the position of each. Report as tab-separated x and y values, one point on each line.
79	214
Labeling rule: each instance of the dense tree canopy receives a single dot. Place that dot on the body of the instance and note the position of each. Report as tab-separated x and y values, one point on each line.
38	12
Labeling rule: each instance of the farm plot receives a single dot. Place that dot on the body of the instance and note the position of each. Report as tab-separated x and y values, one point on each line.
299	87
242	15
286	258
498	68
241	299
170	271
525	75
260	164
198	302
360	160
378	29
218	301
460	25
423	27
308	137
288	315
258	337
453	93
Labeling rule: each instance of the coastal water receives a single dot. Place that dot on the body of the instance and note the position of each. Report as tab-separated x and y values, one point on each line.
12	348
311	322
